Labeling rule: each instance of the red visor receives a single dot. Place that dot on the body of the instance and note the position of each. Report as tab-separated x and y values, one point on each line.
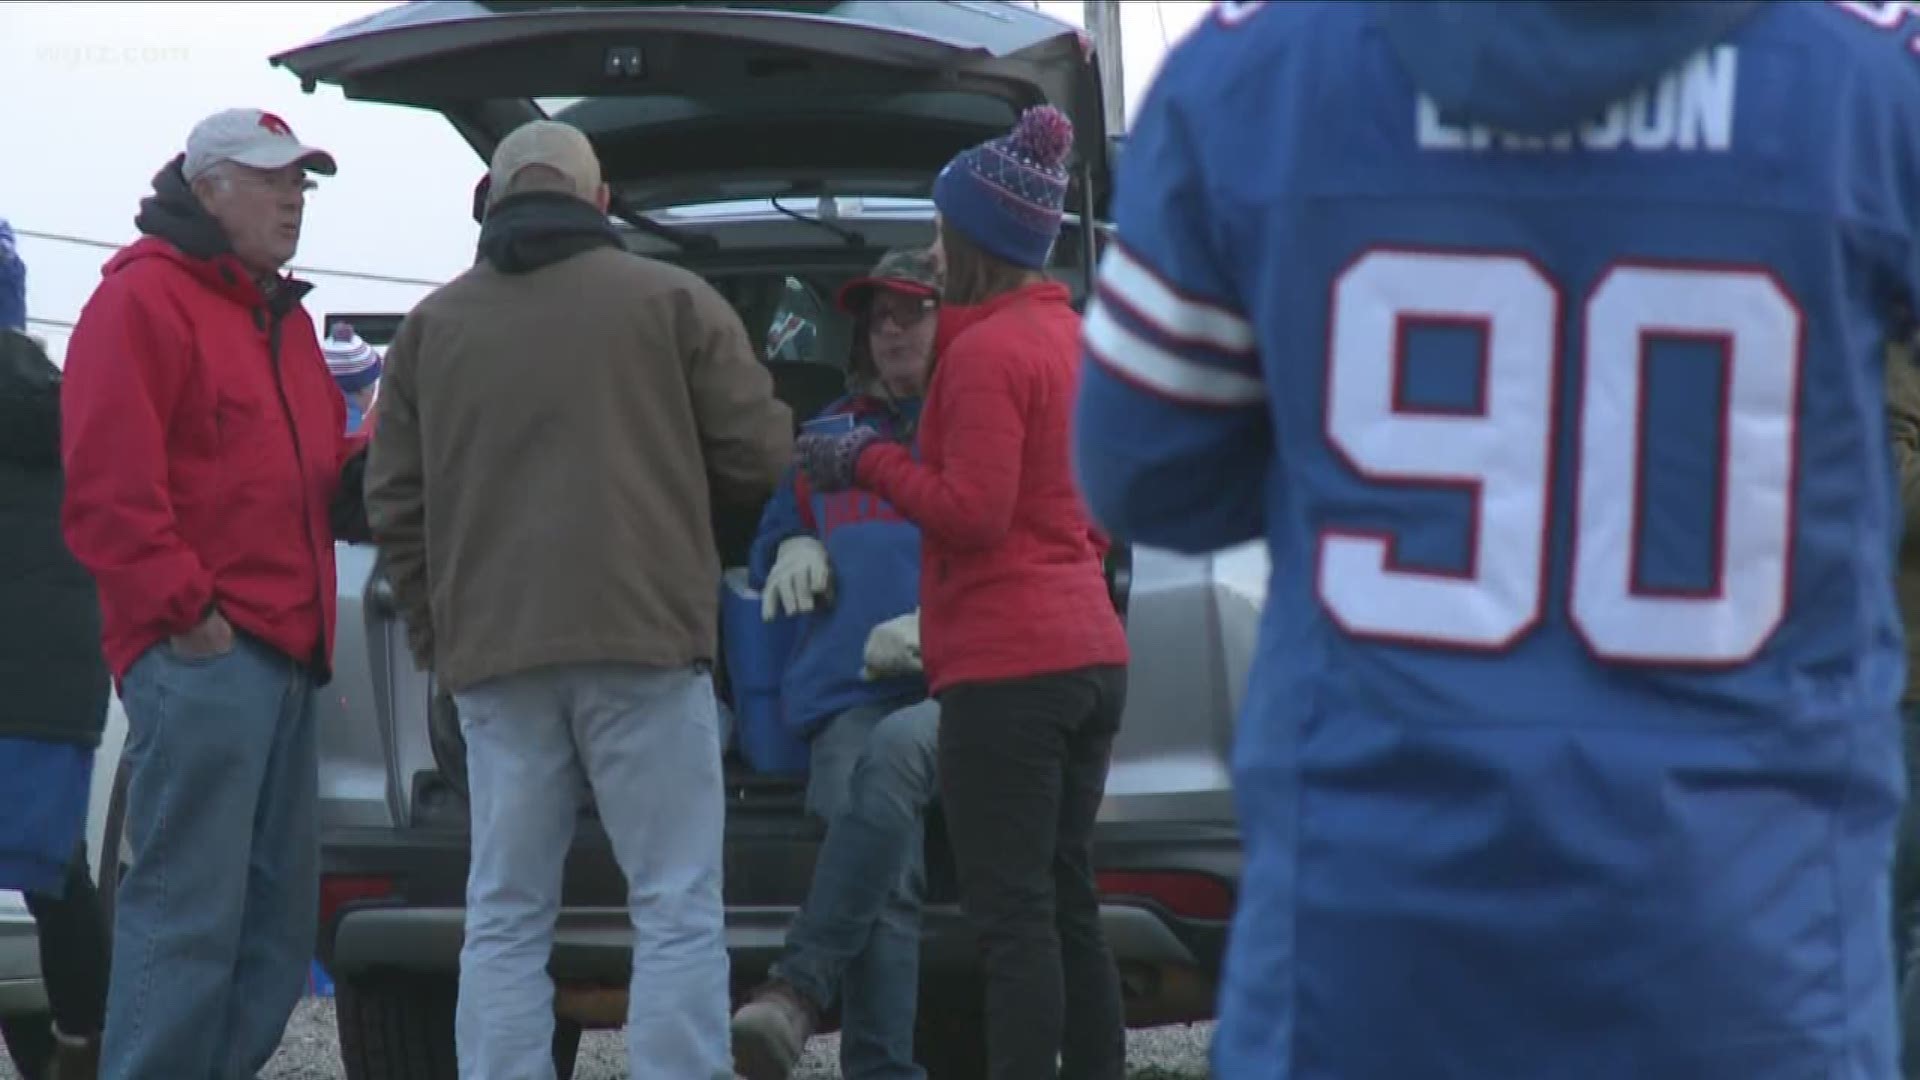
854	292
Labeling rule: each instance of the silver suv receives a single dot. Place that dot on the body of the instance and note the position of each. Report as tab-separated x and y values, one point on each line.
776	149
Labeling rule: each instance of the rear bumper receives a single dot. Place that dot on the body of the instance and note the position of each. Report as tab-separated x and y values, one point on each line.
409	916
595	944
22	997
1166	982
21	991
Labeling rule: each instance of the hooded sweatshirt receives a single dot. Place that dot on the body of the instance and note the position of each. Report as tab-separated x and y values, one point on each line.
1541	345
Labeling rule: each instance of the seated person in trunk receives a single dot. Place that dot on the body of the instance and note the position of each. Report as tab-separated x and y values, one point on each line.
851	564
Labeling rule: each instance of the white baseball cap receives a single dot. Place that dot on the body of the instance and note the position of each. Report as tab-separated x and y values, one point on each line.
553	143
250	137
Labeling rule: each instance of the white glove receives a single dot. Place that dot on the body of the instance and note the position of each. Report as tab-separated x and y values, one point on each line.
799	574
893	648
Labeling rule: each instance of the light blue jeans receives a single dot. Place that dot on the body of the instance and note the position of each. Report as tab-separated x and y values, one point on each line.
646	743
215	919
871	775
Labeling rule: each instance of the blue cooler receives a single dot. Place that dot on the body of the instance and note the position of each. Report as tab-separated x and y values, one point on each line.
757	653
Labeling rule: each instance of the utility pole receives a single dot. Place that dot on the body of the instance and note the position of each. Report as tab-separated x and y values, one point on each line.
1103	25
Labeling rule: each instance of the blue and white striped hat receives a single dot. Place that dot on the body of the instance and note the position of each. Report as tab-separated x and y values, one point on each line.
354	364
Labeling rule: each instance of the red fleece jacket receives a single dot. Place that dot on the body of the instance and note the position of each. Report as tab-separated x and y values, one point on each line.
1011	580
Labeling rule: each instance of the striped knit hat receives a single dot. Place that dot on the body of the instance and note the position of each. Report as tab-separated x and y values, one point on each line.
354	364
1007	194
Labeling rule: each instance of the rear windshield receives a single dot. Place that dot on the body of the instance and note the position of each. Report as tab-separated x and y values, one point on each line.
791	316
795	320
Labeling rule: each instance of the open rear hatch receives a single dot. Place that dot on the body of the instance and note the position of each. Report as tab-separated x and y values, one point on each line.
702	102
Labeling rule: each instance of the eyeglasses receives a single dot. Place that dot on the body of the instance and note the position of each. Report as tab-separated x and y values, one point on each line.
903	312
280	181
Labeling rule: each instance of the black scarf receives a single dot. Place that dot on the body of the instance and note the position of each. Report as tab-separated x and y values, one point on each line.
526	232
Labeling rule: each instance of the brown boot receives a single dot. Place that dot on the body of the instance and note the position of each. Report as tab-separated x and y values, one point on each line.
770	1032
74	1058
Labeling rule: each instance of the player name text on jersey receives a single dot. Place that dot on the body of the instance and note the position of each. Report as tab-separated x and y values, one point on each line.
1690	108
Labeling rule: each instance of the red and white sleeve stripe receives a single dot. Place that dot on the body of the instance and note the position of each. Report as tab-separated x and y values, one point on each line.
1149	333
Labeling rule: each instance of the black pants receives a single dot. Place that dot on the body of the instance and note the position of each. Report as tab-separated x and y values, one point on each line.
1023	768
73	950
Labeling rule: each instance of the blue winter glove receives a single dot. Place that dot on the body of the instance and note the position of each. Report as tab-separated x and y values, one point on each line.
829	461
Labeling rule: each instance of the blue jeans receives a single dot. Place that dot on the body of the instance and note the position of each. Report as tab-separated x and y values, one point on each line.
646	744
872	775
215	919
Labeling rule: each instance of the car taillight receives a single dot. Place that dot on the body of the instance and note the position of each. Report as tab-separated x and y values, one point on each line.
1188	896
337	891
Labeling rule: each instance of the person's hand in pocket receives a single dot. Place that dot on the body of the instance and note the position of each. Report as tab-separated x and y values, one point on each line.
213	637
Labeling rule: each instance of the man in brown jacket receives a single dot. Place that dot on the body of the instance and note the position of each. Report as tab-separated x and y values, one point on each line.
550	428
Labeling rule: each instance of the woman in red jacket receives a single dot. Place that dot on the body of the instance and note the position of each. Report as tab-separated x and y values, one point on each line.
1020	640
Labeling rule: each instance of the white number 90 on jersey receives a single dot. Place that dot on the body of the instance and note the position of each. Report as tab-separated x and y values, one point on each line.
1503	453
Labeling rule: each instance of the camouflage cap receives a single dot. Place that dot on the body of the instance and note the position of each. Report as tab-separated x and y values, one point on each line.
911	270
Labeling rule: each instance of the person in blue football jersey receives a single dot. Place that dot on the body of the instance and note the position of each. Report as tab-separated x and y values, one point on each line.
1540	344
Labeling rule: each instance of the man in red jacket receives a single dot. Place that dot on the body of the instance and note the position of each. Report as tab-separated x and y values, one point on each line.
202	438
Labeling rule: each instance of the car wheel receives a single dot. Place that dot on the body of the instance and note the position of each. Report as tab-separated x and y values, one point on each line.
399	1027
29	1040
950	1031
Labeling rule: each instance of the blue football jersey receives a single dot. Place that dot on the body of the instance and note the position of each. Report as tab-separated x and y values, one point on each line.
1541	345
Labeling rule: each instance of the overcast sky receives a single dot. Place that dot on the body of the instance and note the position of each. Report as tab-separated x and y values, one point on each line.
99	95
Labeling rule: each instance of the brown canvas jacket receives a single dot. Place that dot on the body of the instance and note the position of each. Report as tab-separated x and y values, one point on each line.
546	450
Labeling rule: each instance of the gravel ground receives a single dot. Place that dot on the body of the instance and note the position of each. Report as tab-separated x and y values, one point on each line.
309	1052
